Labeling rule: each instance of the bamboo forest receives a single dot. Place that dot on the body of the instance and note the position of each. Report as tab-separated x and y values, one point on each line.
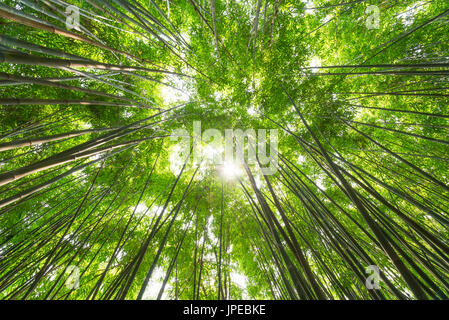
116	116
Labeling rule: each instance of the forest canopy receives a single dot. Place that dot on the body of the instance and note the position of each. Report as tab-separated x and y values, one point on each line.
98	199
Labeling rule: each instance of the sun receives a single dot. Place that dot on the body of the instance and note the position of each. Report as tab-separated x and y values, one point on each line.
230	170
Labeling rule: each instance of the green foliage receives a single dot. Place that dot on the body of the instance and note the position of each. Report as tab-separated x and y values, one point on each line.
90	181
